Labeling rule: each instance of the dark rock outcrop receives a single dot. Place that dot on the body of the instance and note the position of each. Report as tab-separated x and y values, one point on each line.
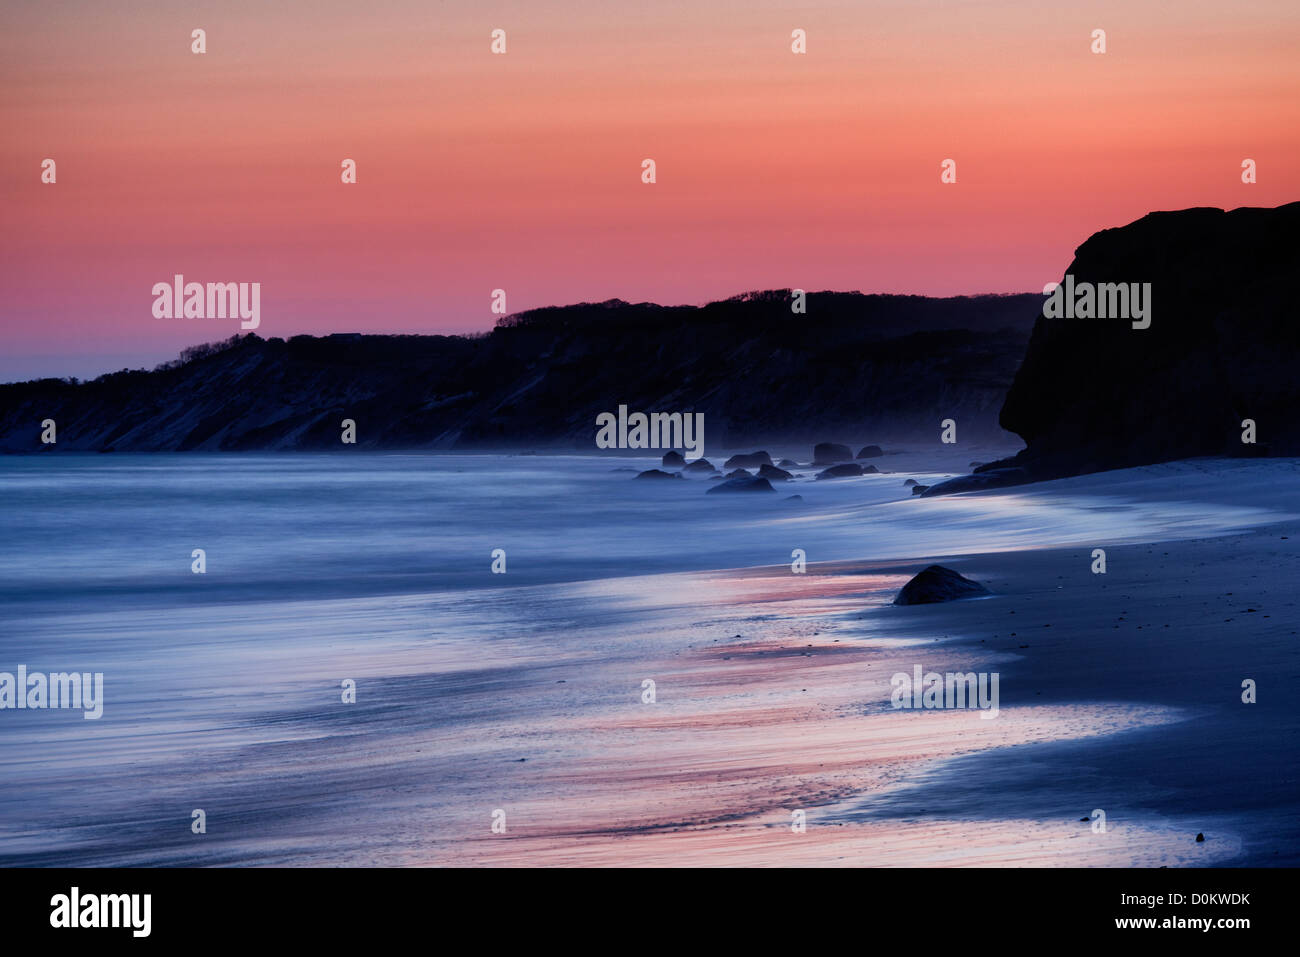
656	474
1097	394
936	584
773	473
847	470
920	489
788	464
828	453
747	484
747	460
703	466
739	473
673	460
871	452
981	480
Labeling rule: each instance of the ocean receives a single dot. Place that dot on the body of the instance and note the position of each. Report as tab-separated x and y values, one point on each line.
224	692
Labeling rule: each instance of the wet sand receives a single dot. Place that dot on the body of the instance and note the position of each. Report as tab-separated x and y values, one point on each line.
1119	692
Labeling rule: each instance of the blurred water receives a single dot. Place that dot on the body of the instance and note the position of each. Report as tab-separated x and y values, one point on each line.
107	532
377	567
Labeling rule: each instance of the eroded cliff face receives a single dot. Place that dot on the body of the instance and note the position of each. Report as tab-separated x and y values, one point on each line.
861	368
1222	346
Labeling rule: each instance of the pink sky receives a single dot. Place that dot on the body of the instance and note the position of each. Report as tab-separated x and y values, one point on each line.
522	171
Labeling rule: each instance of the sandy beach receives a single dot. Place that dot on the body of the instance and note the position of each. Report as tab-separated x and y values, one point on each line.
1119	692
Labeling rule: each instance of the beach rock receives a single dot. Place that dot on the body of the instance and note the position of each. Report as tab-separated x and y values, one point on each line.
871	452
909	482
1200	838
920	489
656	474
749	460
870	470
788	464
980	481
794	498
747	484
699	465
773	473
1095	394
847	470
673	460
739	473
938	584
828	453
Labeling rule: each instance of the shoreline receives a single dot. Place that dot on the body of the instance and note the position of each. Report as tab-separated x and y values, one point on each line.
1091	719
773	695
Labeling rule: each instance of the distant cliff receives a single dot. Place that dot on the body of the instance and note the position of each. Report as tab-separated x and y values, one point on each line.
864	368
1222	347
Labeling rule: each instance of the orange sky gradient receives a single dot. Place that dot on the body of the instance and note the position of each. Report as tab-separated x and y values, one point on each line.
522	171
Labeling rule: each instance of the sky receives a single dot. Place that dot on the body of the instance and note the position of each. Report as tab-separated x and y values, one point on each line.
522	171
